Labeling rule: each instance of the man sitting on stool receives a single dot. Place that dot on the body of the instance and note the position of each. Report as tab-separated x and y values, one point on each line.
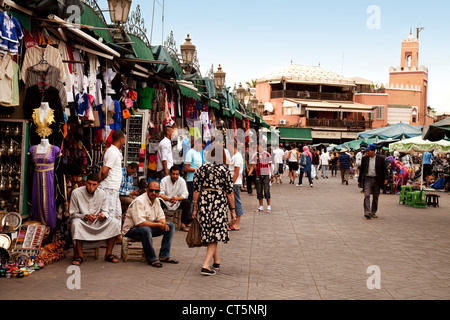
90	220
174	194
145	220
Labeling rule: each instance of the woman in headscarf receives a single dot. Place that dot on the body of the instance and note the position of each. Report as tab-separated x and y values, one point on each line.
305	166
402	173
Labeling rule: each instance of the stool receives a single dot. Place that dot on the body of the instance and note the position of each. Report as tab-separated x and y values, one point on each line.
131	253
174	216
403	192
409	200
420	200
433	200
93	251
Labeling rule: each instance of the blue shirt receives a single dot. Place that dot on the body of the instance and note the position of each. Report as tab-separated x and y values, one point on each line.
127	185
195	159
345	161
427	157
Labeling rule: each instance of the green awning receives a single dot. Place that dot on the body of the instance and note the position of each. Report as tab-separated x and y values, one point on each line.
295	134
173	69
214	104
90	18
141	49
188	92
226	112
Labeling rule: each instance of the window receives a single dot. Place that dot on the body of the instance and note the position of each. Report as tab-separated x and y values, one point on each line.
380	112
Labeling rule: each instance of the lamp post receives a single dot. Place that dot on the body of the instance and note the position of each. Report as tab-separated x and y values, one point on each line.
240	93
219	77
187	54
119	11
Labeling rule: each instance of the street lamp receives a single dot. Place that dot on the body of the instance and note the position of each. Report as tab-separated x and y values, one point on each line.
119	11
187	54
240	93
219	77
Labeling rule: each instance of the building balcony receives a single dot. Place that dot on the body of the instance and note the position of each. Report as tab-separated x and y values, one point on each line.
328	96
355	126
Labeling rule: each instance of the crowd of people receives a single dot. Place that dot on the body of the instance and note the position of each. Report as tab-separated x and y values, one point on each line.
208	186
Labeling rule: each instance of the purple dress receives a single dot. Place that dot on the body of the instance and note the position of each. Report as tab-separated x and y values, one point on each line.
43	198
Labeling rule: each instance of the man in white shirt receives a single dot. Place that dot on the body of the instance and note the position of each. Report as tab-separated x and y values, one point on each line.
174	194
165	156
325	163
111	177
279	164
236	169
145	220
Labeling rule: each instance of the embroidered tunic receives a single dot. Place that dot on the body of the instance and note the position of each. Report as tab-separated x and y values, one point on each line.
10	33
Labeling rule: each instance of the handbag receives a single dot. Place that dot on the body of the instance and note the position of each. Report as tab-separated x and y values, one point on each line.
126	113
194	237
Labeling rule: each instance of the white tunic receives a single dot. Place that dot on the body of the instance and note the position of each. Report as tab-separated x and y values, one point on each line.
82	204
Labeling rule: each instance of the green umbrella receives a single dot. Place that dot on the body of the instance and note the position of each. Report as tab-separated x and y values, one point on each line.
437	131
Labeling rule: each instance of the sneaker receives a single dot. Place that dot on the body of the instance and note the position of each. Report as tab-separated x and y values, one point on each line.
207	272
298	185
312	185
269	209
260	209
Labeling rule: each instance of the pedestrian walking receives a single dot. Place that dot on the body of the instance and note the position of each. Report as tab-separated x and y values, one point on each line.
325	163
315	164
279	164
213	195
293	162
373	176
305	166
261	164
345	162
334	164
236	170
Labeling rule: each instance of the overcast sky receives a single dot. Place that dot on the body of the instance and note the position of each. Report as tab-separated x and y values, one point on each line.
355	38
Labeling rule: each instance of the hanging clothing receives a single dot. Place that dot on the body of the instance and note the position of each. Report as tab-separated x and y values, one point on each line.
111	116
35	55
146	97
51	76
15	92
6	76
10	33
66	54
44	204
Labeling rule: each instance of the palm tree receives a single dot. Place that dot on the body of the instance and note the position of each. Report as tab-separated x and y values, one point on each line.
251	83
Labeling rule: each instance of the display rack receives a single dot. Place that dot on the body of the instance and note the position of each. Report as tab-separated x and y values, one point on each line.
13	166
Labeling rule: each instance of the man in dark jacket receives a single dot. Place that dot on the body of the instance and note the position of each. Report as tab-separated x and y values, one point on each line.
372	177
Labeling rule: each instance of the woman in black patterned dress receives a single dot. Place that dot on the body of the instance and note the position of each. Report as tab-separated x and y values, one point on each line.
213	194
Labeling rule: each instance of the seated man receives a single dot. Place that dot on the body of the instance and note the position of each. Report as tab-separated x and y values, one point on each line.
90	220
174	194
144	220
127	192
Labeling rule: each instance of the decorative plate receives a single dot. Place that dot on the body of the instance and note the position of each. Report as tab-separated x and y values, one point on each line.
12	219
5	241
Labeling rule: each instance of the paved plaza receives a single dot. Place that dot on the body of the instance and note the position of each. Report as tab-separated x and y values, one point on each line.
315	245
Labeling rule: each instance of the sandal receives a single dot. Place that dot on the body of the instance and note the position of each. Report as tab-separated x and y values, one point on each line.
155	264
112	258
77	261
169	260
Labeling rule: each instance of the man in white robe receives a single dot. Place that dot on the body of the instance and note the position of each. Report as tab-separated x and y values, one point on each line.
90	221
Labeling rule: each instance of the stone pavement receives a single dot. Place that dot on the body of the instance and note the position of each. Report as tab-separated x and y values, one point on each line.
315	245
